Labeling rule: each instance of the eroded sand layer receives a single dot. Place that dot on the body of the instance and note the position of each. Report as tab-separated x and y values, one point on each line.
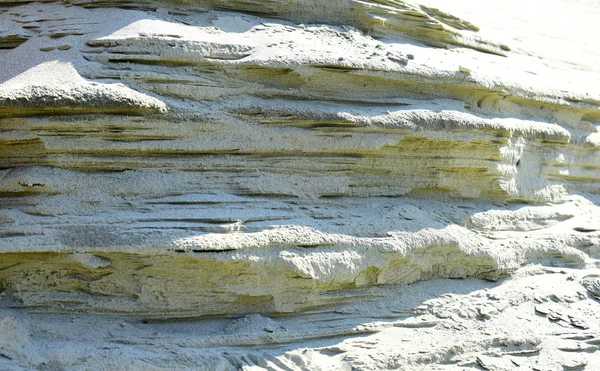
299	185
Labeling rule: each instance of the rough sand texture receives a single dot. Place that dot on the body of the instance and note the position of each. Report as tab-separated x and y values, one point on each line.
299	185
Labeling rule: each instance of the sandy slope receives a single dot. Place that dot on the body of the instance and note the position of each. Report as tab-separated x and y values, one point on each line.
299	185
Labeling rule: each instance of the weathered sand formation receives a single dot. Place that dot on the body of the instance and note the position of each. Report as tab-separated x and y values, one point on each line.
299	185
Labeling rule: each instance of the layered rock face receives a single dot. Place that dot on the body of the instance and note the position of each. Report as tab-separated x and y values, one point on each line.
299	185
